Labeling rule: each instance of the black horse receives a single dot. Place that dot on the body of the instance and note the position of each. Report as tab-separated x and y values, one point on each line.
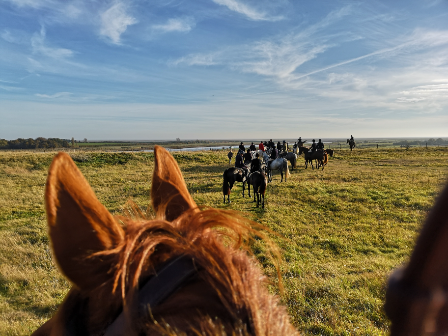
258	182
320	156
230	176
351	143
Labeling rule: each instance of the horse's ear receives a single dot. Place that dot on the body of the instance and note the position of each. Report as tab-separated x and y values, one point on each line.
79	225
169	194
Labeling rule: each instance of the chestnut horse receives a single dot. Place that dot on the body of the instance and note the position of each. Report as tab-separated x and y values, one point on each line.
169	275
174	275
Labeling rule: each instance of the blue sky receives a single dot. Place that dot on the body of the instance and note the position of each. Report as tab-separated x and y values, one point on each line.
223	69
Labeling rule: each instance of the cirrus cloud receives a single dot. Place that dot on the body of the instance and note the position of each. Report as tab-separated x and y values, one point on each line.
114	22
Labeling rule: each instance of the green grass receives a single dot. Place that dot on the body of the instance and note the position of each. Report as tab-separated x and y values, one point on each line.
343	229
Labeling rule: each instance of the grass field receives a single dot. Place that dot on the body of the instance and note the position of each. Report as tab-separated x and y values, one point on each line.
343	229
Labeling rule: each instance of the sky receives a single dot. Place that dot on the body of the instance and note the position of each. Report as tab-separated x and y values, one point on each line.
223	69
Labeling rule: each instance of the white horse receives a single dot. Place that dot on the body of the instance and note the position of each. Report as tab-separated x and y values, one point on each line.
280	164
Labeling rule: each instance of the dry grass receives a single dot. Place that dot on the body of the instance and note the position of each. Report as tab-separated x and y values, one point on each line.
344	228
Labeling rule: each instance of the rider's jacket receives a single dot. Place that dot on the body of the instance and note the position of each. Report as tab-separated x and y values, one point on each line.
255	165
247	157
313	146
279	146
320	145
274	154
241	147
239	162
230	155
252	148
261	146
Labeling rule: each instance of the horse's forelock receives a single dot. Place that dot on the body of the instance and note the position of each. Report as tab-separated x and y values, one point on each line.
211	237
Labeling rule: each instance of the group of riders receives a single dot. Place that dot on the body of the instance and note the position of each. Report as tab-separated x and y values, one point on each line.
244	157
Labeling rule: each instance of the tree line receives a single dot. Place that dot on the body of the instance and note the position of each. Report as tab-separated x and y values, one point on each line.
34	143
430	142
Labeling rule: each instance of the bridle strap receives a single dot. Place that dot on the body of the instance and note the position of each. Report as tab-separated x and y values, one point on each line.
157	289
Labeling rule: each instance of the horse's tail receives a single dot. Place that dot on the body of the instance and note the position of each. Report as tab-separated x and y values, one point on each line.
226	183
325	158
287	171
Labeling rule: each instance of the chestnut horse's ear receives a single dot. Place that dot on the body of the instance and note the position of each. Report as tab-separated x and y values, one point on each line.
169	194
79	225
417	295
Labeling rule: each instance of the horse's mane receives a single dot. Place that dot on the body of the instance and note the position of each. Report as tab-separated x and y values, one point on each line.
217	241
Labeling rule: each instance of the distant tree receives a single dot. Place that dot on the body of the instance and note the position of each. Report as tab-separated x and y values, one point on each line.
85	139
73	142
178	139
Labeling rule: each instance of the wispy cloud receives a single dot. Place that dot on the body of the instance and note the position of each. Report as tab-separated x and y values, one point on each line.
249	12
39	46
114	22
175	25
32	3
53	96
196	59
10	88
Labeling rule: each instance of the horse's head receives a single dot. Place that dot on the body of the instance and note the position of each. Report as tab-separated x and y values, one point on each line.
111	261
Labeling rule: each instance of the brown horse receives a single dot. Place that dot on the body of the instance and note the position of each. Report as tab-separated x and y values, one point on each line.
169	275
417	294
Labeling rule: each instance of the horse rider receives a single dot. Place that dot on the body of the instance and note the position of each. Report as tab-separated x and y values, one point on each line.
294	146
241	147
320	145
274	154
252	147
247	157
285	146
313	146
352	139
300	142
261	146
279	146
230	155
239	163
271	144
255	165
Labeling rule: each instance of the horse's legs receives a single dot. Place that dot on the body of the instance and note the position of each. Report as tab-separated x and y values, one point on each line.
244	185
262	204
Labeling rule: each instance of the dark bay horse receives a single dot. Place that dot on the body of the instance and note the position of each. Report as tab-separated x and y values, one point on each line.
183	272
319	156
230	176
351	143
259	183
329	152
